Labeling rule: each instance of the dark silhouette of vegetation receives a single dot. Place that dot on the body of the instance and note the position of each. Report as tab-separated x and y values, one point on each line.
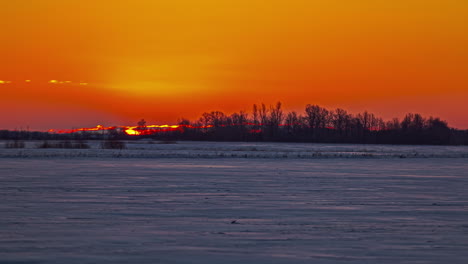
271	123
316	124
113	144
15	144
64	144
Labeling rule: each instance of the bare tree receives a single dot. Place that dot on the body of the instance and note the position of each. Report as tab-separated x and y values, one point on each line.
214	118
263	115
142	123
394	124
183	121
255	116
292	122
341	120
276	115
317	117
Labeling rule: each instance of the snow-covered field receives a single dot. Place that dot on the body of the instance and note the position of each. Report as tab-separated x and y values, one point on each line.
207	203
188	149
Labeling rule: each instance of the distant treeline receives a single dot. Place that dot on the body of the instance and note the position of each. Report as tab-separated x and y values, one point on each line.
271	123
320	125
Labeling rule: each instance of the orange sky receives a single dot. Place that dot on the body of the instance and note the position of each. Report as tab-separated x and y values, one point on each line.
161	60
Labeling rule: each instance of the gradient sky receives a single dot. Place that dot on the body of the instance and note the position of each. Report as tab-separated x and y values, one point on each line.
162	60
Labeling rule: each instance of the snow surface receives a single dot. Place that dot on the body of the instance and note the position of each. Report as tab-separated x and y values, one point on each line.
60	207
189	149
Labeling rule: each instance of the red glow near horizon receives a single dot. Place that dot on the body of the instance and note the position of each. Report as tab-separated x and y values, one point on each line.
155	129
130	130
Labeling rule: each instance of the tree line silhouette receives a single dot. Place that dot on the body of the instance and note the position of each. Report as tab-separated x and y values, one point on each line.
271	123
320	125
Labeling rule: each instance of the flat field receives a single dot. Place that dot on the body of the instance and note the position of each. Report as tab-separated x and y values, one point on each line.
234	203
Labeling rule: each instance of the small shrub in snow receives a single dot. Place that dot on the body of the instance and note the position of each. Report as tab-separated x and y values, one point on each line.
64	144
113	144
15	144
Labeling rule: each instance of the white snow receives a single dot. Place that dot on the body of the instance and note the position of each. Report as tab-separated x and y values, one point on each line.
188	149
58	206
